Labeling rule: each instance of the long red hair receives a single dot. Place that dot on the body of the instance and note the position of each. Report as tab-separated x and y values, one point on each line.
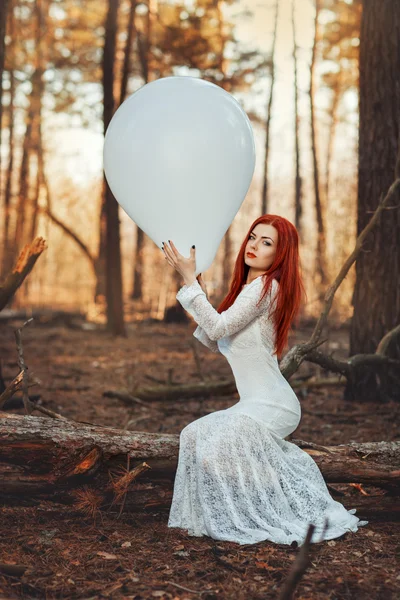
285	269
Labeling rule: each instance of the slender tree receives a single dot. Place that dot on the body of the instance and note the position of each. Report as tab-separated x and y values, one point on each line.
130	38
30	177
144	49
264	194
114	293
222	69
4	5
40	12
339	48
298	181
6	257
321	241
376	298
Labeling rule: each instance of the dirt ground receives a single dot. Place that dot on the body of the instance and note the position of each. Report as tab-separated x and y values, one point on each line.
137	556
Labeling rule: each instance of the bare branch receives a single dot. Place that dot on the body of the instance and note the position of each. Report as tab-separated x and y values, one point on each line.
21	363
72	235
13	387
23	379
385	341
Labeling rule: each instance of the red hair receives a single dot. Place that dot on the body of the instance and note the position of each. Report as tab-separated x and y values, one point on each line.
285	269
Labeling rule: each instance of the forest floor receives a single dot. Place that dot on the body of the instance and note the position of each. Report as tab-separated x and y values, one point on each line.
137	556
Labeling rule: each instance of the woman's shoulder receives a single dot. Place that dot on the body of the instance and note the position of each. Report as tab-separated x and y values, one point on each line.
273	286
255	288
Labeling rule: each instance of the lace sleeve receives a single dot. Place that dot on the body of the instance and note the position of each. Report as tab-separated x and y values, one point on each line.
201	335
241	313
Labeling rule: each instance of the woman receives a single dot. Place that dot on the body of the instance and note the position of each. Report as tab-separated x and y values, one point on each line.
237	478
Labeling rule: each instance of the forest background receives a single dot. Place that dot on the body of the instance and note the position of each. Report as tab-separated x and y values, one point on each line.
52	130
320	81
295	68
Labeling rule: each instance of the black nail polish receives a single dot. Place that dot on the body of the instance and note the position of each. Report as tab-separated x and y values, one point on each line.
193	246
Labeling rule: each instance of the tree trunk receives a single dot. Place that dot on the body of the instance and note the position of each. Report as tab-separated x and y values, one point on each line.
264	196
20	227
321	242
100	262
3	22
137	291
144	46
114	293
126	65
298	182
40	12
7	245
227	261
376	297
125	72
337	90
224	83
43	458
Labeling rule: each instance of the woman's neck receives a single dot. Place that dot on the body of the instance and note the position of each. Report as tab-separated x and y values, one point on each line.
251	276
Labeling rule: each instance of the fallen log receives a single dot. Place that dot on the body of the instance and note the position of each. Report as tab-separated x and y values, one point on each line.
43	458
42	316
203	388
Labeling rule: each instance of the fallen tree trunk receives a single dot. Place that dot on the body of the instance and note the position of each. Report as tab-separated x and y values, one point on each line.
223	387
24	265
43	458
42	316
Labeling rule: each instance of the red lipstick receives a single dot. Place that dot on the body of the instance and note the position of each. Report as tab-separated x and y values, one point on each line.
251	255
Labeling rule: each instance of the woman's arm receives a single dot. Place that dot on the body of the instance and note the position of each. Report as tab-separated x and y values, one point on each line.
241	313
201	335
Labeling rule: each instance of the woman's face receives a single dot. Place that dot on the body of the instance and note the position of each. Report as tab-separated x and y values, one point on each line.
262	243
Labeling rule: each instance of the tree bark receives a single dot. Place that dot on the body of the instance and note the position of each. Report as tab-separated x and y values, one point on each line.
114	293
40	15
126	65
100	262
321	241
298	182
376	297
144	46
49	459
20	227
3	21
137	290
264	196
337	92
25	263
227	261
7	245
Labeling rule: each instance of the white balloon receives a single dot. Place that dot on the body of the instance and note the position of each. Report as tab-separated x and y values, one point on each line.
179	157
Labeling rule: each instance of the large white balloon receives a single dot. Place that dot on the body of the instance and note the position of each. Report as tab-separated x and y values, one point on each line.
179	156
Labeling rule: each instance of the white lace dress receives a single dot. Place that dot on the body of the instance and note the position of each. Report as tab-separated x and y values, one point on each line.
237	478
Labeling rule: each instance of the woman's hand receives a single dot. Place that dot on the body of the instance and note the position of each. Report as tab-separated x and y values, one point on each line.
185	266
202	284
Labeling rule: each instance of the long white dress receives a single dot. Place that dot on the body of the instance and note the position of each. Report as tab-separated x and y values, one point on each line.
237	478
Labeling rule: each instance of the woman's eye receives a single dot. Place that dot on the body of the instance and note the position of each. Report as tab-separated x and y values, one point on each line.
267	243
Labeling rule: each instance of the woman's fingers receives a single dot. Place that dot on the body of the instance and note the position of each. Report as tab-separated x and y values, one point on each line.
168	252
174	249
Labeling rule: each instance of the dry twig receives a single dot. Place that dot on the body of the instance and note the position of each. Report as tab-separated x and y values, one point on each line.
300	565
29	406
